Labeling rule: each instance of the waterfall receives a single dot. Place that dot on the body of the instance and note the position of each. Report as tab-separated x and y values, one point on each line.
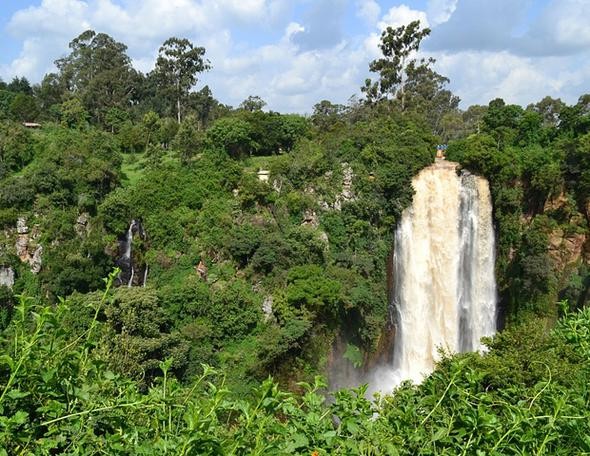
145	274
126	261
132	271
127	254
444	293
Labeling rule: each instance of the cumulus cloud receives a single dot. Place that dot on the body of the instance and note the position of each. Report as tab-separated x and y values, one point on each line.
478	77
402	15
368	10
440	11
561	29
288	78
46	29
294	53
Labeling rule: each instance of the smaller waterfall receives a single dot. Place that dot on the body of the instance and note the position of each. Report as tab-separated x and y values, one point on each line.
127	254
145	274
132	273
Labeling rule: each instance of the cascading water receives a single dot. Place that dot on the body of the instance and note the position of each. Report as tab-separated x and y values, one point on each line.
127	253
443	264
126	262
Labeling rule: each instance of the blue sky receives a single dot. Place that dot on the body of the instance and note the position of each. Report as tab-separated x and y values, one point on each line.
294	53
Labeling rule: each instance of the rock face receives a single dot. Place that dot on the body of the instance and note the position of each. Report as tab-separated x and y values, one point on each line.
27	248
267	308
82	224
347	176
566	249
202	270
310	218
6	276
36	261
346	194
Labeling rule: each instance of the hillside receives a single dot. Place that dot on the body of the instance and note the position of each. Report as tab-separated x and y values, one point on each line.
241	244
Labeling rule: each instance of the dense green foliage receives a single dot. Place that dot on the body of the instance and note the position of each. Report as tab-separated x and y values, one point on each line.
528	395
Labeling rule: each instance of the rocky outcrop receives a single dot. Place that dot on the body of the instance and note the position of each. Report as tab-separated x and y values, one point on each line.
267	309
346	194
6	276
202	270
566	249
82	226
310	218
27	248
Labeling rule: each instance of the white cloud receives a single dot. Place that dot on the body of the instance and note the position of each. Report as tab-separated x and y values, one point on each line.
402	15
562	27
288	79
478	77
52	17
47	28
291	77
440	11
368	10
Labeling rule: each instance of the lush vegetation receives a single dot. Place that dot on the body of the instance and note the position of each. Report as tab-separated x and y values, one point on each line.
528	395
248	278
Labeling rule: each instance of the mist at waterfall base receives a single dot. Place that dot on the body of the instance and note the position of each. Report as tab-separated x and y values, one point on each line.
444	290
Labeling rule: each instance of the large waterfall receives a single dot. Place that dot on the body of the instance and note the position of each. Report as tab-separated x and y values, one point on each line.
443	273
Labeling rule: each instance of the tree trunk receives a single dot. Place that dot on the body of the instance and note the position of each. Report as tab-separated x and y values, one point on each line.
403	83
178	108
178	99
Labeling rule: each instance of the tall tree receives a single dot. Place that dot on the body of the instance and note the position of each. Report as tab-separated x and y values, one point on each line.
426	93
98	71
202	102
326	115
49	93
253	103
397	46
24	108
20	85
549	108
177	67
